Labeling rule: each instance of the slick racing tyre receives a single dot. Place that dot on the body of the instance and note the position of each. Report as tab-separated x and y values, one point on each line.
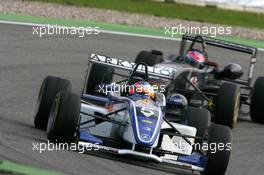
150	58
64	118
50	87
218	154
200	119
257	101
98	74
227	105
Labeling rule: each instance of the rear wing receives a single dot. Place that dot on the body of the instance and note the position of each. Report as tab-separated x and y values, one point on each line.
251	51
156	71
163	73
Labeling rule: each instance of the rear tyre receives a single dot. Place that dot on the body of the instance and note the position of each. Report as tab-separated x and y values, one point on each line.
49	88
257	101
98	74
200	119
227	105
150	58
64	118
218	159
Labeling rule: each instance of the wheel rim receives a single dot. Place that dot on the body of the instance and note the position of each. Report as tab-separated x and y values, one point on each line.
37	105
53	114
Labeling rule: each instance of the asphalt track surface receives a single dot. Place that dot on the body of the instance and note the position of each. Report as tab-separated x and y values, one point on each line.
26	59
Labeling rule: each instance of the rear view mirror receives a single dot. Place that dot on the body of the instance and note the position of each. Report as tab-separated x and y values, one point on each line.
232	71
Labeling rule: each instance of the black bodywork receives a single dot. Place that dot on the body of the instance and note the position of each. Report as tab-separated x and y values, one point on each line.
204	93
222	75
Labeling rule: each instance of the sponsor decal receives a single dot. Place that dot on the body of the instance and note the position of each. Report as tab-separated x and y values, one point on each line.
147	121
146	128
165	71
145	137
147	112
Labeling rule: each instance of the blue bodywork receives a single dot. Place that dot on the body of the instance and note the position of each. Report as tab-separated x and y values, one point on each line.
86	136
146	128
194	159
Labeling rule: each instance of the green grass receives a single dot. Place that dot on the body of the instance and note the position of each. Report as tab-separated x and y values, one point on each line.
171	10
113	27
7	167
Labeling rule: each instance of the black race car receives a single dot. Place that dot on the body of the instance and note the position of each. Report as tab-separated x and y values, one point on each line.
223	92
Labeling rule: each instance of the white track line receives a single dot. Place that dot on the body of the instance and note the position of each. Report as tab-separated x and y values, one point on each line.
140	35
102	31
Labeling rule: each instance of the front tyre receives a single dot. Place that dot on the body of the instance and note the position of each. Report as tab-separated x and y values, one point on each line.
98	74
257	101
64	118
200	119
219	137
227	105
50	87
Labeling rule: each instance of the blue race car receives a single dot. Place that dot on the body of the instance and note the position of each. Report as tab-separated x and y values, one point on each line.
130	118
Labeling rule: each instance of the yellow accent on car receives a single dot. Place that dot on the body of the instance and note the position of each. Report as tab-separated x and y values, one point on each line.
147	121
235	115
211	104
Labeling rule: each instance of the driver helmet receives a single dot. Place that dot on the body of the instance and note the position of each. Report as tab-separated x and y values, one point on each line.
195	58
142	88
176	103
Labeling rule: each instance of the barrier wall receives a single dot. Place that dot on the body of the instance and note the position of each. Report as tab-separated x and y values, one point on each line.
241	5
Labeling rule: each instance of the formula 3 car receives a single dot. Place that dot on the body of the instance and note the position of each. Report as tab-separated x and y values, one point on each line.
132	123
222	92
